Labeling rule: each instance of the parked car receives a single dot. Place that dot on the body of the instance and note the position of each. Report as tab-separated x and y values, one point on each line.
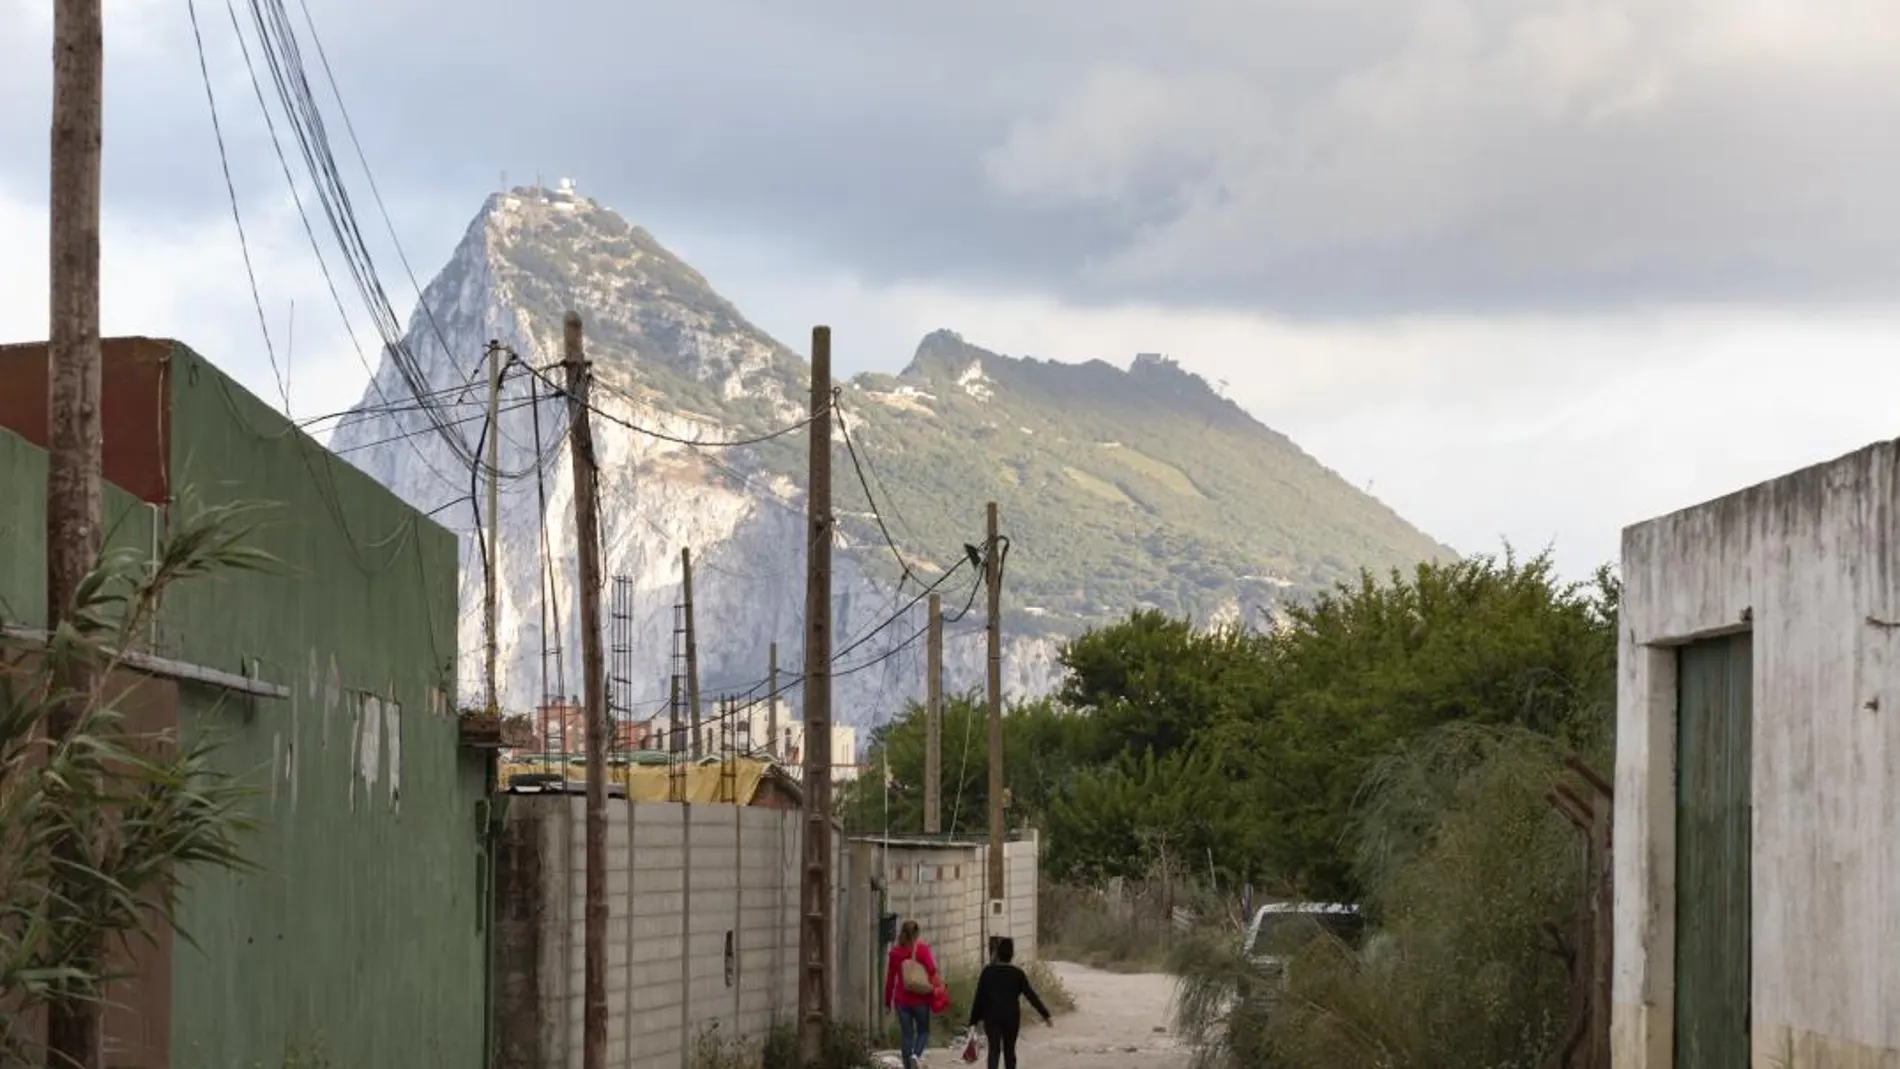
1280	930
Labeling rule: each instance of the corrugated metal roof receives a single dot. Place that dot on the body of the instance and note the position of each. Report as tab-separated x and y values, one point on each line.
703	783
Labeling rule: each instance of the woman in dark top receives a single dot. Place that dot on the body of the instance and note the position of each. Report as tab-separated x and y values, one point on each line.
995	1005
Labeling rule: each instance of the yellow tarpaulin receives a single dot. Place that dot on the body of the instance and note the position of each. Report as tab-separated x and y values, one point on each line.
703	784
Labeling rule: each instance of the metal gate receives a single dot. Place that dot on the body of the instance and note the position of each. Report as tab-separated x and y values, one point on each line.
1713	803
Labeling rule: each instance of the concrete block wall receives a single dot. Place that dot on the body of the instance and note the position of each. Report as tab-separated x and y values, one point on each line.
943	887
684	883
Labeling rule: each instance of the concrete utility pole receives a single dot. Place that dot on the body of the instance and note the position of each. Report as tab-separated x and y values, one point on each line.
594	686
771	704
993	574
692	652
933	721
73	1026
493	545
814	934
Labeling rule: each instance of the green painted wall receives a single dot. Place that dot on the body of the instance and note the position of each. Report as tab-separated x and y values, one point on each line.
360	944
23	528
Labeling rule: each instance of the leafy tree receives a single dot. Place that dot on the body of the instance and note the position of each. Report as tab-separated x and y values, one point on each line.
1249	751
1049	743
1151	683
95	826
1361	673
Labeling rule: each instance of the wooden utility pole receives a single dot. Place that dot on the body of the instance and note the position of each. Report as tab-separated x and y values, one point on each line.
933	720
594	686
490	638
771	705
814	934
993	574
692	652
73	1026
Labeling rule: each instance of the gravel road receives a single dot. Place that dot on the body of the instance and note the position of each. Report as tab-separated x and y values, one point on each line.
1120	1021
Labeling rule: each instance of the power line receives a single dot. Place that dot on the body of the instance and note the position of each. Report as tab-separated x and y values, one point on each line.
857	465
310	232
283	56
697	443
230	189
350	128
512	406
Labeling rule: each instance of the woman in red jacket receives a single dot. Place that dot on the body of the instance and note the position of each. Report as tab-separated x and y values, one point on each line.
910	978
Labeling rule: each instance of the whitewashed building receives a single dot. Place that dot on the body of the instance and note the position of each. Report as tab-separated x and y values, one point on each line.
1757	831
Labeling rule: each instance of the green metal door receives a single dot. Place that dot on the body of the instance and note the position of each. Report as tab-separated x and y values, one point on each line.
1713	707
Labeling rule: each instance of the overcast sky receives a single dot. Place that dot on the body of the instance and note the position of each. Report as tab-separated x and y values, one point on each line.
1529	269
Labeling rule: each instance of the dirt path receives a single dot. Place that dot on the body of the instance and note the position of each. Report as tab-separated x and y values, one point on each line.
1120	1022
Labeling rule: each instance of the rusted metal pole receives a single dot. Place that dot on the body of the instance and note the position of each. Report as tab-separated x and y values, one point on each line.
675	748
697	749
933	720
73	1025
814	934
772	749
594	686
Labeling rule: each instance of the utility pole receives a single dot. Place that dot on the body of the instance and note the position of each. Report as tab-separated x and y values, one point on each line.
771	704
74	455
587	520
933	721
814	934
493	545
993	574
692	651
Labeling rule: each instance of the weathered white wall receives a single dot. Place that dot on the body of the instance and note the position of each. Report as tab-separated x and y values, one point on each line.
943	889
949	910
1810	562
679	879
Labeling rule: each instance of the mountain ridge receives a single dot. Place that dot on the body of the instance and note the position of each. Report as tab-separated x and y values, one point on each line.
1119	487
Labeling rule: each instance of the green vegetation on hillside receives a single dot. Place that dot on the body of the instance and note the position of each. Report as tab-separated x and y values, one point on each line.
1118	488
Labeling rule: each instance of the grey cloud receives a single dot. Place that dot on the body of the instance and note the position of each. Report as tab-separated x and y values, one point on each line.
1318	157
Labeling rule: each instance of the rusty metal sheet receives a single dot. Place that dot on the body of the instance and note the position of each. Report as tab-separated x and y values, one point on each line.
134	409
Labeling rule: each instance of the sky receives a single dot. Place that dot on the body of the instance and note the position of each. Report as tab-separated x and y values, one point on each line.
1529	270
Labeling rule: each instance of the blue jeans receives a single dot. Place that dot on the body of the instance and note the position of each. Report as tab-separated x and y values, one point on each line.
913	1031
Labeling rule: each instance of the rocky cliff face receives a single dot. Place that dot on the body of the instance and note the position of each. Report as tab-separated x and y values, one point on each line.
1120	488
663	345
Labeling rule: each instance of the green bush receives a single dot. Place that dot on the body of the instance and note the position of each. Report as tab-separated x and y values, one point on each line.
1465	864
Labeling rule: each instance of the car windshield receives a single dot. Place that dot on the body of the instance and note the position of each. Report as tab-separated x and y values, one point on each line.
1285	933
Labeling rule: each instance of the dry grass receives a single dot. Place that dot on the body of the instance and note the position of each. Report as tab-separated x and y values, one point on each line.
845	1047
1464	862
1128	928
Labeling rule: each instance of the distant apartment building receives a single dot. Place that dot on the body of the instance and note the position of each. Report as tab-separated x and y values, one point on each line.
561	727
749	731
